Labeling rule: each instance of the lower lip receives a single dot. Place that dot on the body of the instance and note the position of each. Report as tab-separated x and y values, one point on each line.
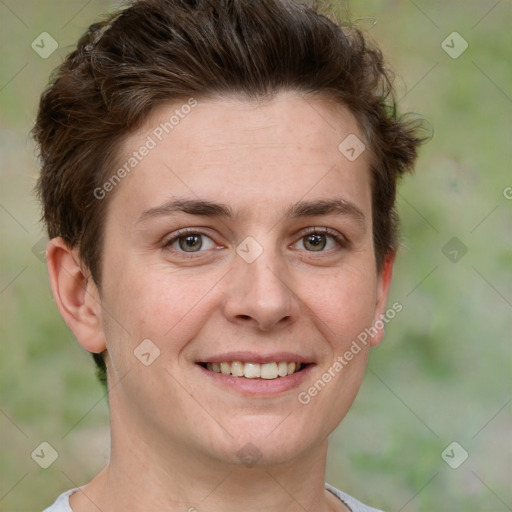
262	387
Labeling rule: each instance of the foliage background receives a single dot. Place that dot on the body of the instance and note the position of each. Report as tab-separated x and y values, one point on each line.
443	372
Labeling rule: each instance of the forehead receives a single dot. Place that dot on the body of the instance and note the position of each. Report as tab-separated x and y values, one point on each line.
246	153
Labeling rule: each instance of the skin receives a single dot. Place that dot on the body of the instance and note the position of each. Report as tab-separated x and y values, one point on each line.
176	433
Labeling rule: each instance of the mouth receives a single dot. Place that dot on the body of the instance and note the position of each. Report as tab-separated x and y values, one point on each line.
256	374
252	370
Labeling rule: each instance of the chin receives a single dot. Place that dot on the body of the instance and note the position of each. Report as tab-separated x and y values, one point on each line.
263	441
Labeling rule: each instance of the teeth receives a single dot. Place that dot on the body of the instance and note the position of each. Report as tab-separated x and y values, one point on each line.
266	371
282	369
252	370
237	369
225	368
269	371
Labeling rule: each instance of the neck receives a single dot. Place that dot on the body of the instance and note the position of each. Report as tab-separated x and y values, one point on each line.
144	476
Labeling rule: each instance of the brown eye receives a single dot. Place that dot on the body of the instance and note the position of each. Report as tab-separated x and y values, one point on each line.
315	242
190	243
322	240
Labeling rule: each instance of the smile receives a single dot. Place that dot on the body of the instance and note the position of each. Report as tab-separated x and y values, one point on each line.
267	371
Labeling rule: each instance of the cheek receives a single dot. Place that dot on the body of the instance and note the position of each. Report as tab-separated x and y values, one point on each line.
344	307
152	301
345	303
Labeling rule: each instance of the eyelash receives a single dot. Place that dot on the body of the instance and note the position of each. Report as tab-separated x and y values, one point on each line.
341	241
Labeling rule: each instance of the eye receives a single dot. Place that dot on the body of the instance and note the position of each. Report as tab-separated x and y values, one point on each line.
322	240
190	241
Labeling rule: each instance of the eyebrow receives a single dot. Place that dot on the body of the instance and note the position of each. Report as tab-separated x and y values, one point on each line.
302	209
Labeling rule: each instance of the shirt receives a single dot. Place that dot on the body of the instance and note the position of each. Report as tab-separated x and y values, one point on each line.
62	502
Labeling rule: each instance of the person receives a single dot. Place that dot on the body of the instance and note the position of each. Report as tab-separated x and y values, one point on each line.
218	185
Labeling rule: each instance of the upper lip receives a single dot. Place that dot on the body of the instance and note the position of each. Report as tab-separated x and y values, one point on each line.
253	357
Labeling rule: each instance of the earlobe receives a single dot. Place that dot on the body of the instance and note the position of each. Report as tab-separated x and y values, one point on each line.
383	284
76	294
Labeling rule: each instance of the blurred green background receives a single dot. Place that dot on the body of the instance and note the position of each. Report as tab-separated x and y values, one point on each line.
442	374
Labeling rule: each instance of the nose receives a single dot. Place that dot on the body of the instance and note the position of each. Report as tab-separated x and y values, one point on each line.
260	294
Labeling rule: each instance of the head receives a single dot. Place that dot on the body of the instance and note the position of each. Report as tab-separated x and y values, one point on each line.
245	107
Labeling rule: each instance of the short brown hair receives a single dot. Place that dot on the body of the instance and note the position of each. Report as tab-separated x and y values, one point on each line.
156	51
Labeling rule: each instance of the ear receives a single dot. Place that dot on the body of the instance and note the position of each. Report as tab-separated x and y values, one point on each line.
76	294
383	284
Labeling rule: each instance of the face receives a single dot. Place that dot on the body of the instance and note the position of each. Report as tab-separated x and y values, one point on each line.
239	246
